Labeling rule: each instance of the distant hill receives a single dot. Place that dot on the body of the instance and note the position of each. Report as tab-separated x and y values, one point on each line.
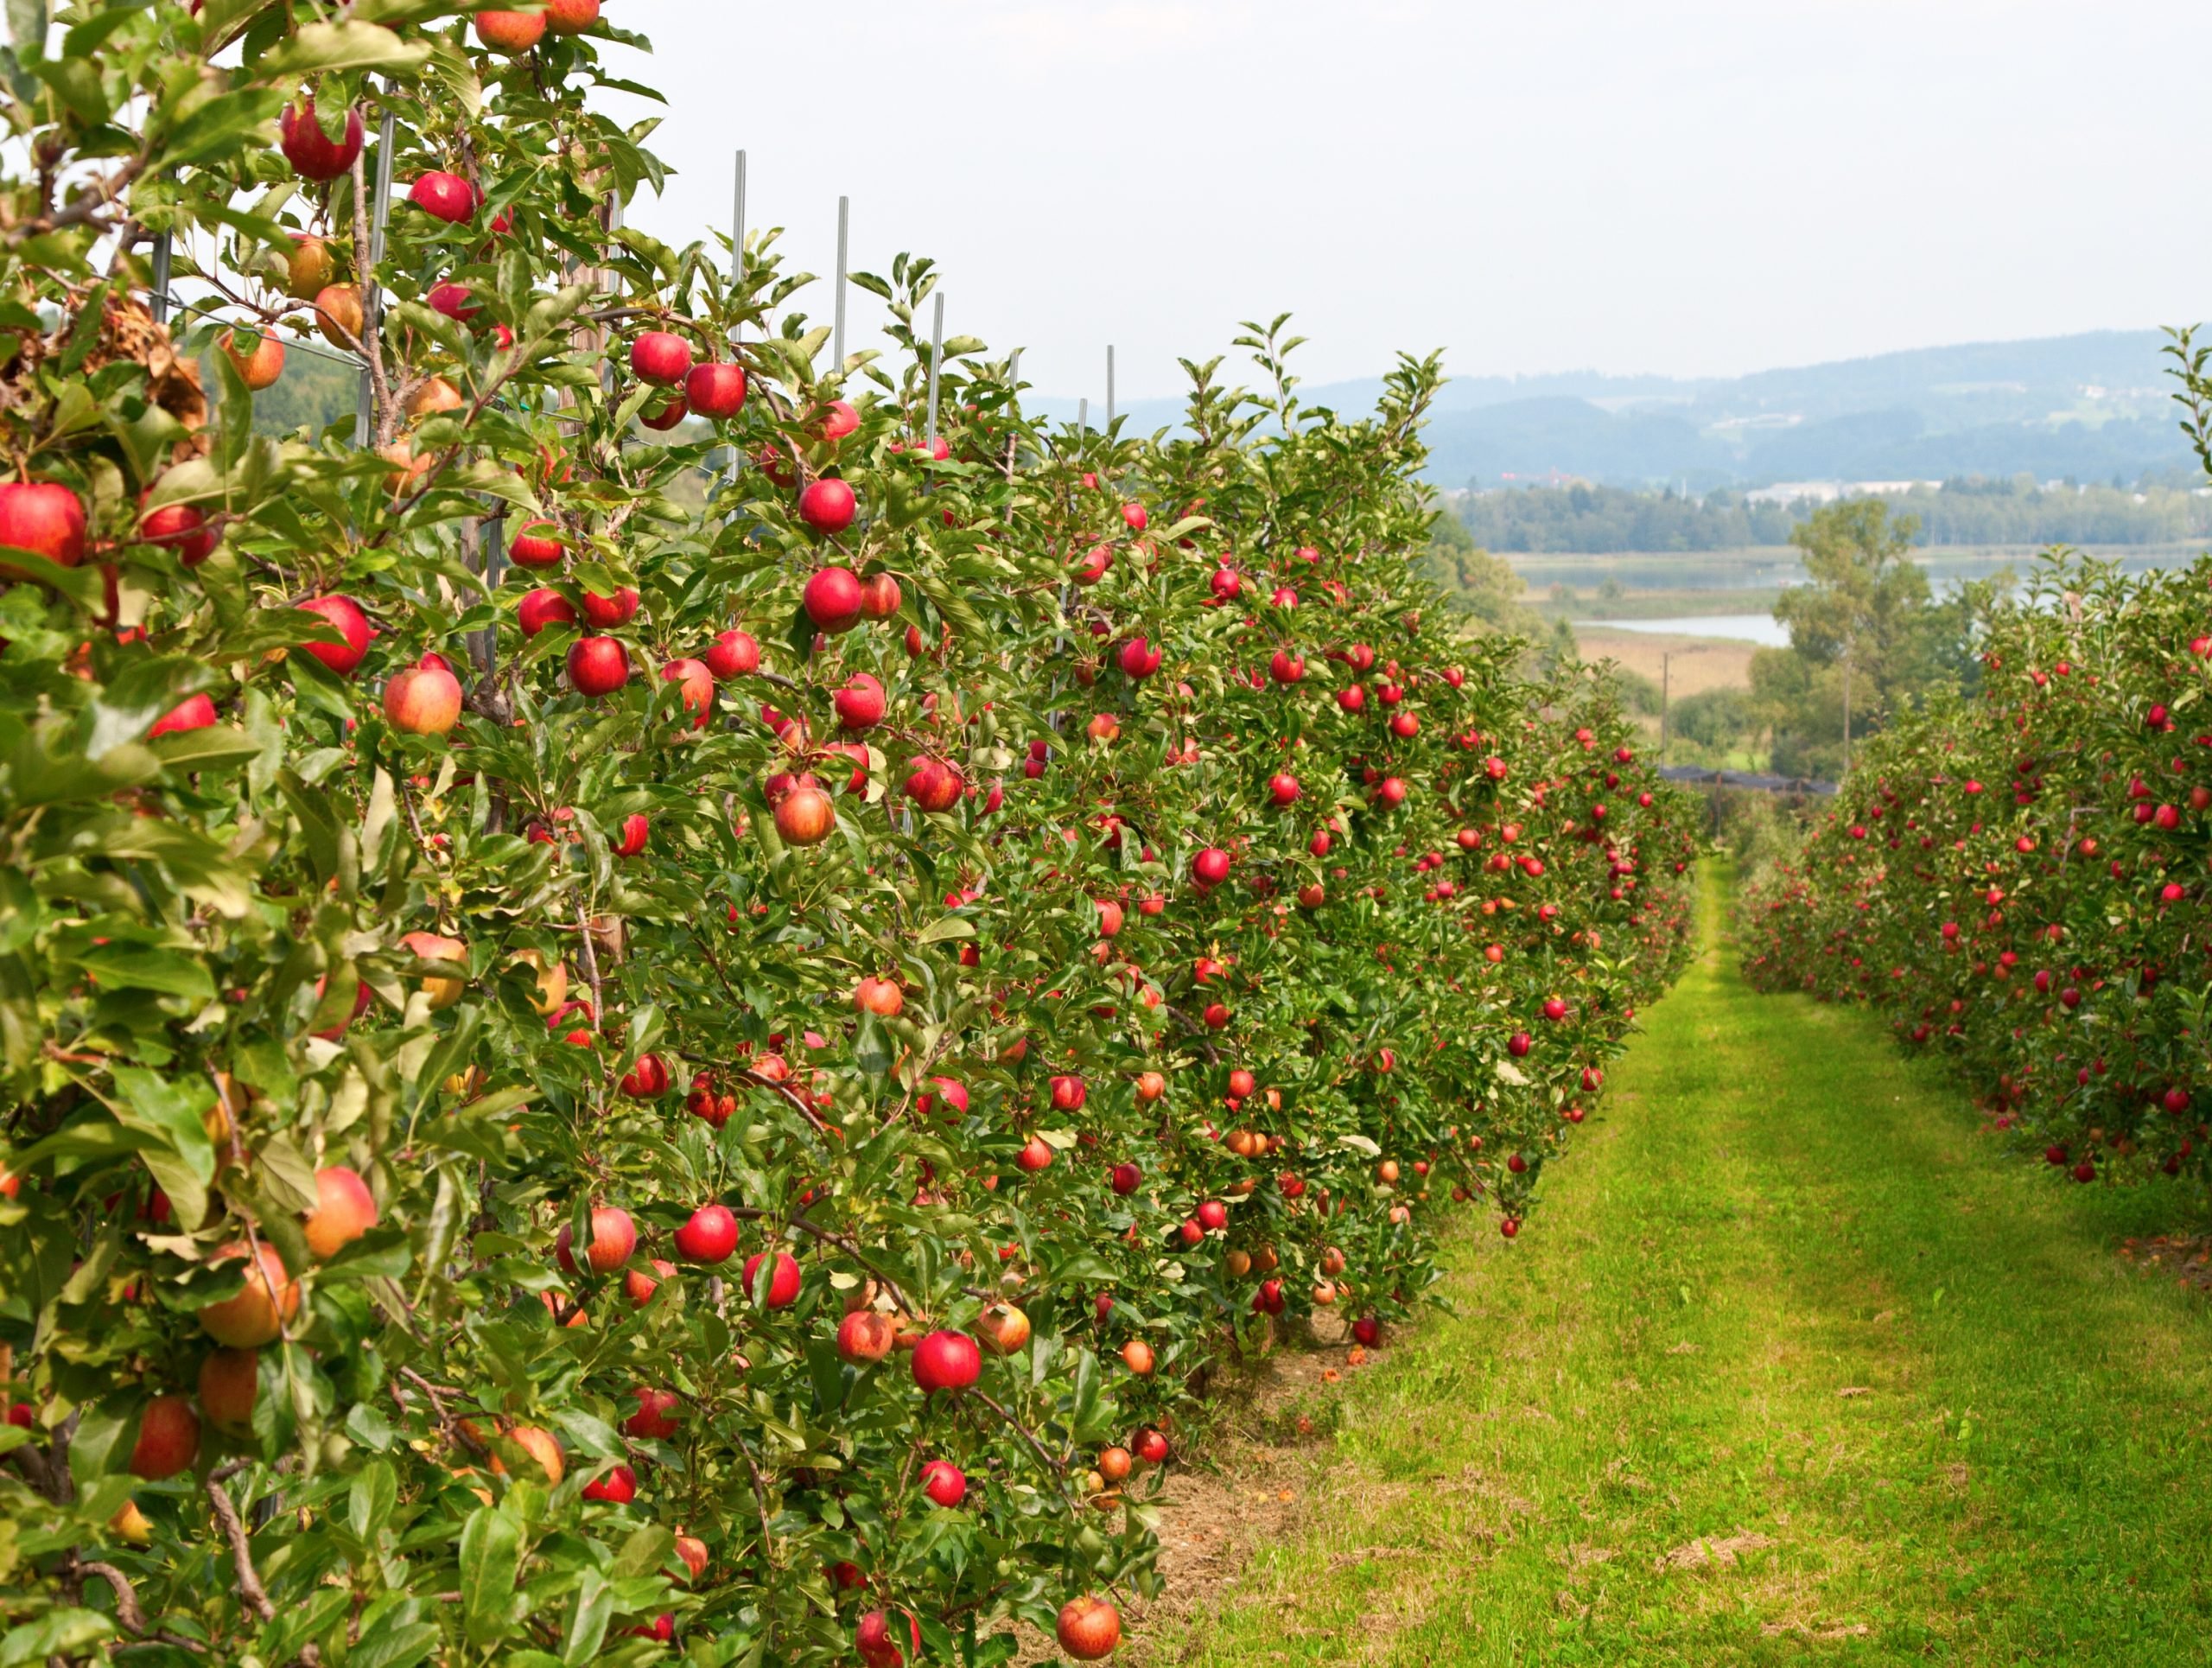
2088	407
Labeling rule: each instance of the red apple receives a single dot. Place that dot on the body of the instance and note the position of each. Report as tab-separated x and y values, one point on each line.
832	599
864	1337
230	1382
605	611
168	1439
444	196
194	712
423	701
598	666
613	1237
715	391
805	816
314	154
654	1421
944	1483
1087	1628
344	614
733	654
571	16
828	505
178	527
709	1236
345	1210
511	32
861	703
660	357
616	1486
543	607
783	1283
947	1360
44	518
698	685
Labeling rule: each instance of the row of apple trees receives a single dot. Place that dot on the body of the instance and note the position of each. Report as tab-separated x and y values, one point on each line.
652	1016
2018	880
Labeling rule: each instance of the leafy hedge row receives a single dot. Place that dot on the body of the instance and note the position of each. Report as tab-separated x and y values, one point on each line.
2017	879
718	1093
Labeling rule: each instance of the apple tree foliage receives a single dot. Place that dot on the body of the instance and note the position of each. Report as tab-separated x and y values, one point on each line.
2016	879
371	1072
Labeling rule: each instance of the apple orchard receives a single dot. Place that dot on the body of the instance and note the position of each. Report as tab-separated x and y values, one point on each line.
627	1041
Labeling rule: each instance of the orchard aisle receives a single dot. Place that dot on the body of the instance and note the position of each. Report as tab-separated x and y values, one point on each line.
1793	1364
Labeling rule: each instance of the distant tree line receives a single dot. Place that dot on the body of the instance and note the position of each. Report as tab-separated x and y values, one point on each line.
1581	519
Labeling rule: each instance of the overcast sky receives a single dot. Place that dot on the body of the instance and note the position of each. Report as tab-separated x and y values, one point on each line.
1702	188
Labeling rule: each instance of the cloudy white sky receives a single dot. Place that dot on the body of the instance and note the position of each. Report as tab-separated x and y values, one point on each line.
1702	188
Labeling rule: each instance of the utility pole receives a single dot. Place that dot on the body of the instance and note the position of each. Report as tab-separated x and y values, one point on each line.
1846	708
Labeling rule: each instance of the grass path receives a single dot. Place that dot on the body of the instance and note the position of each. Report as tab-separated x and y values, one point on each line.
1793	1365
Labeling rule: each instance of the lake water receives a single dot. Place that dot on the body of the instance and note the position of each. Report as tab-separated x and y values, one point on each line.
1761	628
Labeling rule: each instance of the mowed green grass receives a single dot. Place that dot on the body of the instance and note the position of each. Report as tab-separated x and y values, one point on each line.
1788	1301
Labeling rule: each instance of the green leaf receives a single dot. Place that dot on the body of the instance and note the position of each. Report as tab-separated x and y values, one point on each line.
369	1502
220	127
946	926
205	749
60	1634
27	27
491	1557
315	48
139	967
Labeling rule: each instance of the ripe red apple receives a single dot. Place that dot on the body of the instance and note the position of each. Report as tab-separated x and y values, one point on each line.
861	703
1005	1328
571	16
229	1380
1137	1356
597	666
1211	867
947	1360
944	1483
880	596
1139	659
1087	1628
258	1314
345	1210
423	701
168	1439
607	611
879	996
709	1236
782	1283
259	359
1150	1447
194	712
660	357
876	1637
637	829
537	544
934	786
616	1486
543	607
344	614
44	518
1213	1216
639	1289
1035	1155
314	154
698	685
828	505
832	599
1069	1093
613	1237
179	527
655	1419
444	196
716	390
1127	1178
805	816
839	418
733	654
864	1336
1283	789
511	32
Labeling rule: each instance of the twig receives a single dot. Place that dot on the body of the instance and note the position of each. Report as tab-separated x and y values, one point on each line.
250	1588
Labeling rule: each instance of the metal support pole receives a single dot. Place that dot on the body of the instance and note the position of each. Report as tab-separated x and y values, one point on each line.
844	217
1014	372
161	295
737	245
1109	388
371	296
1082	419
937	361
